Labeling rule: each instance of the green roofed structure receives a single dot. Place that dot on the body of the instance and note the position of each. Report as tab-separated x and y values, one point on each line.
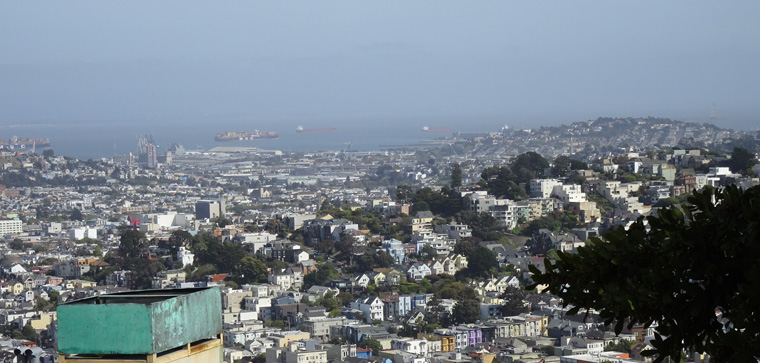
173	325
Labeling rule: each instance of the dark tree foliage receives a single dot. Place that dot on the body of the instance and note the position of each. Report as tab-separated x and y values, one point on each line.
143	271
225	256
466	311
132	243
555	222
324	274
17	244
403	193
622	345
742	160
76	215
695	273
465	247
563	164
480	262
502	182
372	259
373	344
514	302
529	166
177	239
251	270
440	203
449	289
483	224
456	175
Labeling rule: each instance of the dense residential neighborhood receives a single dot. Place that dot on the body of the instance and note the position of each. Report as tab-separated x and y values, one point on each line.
402	256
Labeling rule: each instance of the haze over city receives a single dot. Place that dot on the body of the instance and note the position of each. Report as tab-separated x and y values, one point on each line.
464	65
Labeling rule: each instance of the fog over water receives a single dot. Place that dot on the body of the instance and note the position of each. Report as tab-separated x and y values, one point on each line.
92	75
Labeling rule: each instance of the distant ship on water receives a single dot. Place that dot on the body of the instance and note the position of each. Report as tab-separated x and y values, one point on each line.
246	136
427	129
300	129
21	143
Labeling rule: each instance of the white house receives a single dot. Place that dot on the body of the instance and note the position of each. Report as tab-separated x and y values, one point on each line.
372	307
409	345
185	256
418	271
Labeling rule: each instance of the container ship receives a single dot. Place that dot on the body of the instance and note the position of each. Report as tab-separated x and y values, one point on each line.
21	143
246	136
427	129
329	129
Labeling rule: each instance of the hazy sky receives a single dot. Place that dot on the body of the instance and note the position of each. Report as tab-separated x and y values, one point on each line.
505	61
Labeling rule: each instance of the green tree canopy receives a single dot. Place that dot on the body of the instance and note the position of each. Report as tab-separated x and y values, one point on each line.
456	175
76	215
483	224
502	182
694	272
563	164
251	269
466	311
325	273
17	244
480	262
741	160
373	259
514	302
132	243
372	343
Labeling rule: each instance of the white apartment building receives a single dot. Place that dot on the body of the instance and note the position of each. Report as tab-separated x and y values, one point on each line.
83	232
569	193
543	188
10	226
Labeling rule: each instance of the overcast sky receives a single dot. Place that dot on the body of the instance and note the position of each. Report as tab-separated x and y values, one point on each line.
517	61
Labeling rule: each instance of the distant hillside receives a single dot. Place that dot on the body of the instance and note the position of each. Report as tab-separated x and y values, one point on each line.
609	134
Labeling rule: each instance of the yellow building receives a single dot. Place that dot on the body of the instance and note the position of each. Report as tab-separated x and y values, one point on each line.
283	339
17	288
447	341
43	320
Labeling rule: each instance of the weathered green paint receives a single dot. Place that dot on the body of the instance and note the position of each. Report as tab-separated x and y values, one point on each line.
139	322
82	328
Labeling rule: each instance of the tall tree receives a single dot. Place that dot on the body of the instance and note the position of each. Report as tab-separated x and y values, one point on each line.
742	160
178	239
514	302
480	262
132	243
466	311
456	175
373	344
403	193
693	270
76	215
251	269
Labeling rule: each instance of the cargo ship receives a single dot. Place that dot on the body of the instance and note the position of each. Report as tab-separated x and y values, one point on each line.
329	129
246	136
21	143
427	129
